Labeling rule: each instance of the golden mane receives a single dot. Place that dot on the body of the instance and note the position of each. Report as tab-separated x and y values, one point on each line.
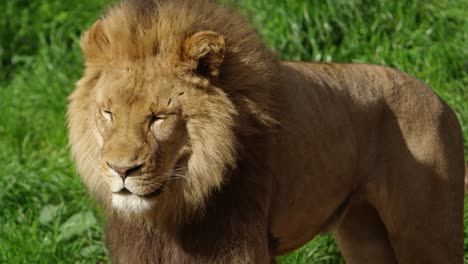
135	30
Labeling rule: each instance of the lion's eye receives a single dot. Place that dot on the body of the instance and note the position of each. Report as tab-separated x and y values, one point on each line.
157	119
107	115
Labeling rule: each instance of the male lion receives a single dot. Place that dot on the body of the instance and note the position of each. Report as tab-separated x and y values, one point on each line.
203	147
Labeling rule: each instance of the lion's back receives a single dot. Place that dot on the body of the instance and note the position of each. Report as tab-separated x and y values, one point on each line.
380	103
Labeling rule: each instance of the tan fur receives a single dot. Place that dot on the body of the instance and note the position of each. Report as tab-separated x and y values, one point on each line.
231	156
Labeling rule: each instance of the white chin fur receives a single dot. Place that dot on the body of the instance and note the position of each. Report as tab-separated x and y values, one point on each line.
130	203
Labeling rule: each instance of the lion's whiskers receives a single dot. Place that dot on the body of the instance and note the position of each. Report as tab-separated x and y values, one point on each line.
155	185
174	176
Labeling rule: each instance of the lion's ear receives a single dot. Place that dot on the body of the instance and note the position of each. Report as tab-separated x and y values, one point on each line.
205	52
94	42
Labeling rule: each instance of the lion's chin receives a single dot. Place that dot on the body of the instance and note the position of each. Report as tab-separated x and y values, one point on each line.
131	203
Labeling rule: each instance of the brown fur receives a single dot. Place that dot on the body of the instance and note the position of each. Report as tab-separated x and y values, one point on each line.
232	156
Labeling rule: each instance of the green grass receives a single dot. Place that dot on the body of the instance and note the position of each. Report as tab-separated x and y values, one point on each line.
45	214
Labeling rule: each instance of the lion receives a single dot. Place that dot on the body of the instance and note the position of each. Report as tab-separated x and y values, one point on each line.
203	147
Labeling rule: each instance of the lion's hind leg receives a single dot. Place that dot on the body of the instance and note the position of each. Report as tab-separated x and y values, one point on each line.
362	237
416	186
424	218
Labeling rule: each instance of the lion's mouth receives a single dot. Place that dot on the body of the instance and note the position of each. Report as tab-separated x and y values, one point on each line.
124	191
154	194
127	190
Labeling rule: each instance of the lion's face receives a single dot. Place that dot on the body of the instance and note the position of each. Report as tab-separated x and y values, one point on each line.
143	135
149	140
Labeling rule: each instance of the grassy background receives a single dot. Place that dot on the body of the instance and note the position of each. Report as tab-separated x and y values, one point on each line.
45	215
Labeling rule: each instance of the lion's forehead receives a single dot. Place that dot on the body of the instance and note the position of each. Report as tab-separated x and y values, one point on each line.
130	89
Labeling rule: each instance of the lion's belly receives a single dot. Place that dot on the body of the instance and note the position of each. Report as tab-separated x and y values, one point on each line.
309	210
315	166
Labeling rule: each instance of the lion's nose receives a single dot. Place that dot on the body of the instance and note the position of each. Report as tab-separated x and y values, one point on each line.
124	171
